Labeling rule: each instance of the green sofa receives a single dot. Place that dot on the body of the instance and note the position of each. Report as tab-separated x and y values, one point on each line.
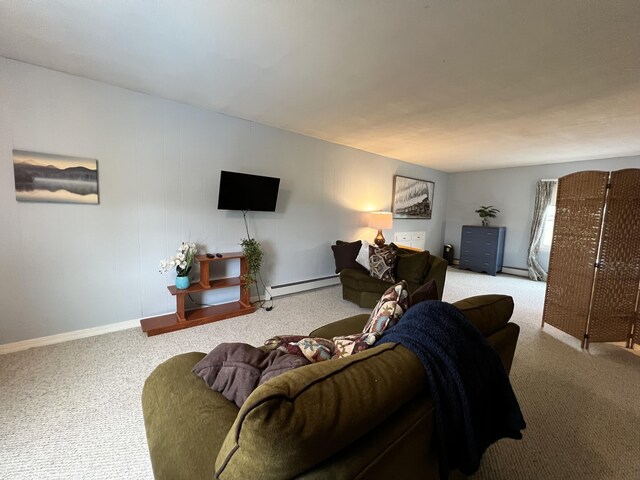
364	416
362	289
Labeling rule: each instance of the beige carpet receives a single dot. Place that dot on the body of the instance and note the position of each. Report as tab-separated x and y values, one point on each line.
72	410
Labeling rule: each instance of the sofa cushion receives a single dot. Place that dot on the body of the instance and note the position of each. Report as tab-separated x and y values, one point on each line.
361	280
428	291
412	267
282	428
489	313
390	308
342	327
382	263
345	253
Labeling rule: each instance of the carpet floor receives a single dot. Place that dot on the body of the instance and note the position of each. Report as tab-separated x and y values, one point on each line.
72	410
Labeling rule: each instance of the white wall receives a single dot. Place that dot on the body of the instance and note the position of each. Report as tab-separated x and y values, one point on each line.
512	191
67	267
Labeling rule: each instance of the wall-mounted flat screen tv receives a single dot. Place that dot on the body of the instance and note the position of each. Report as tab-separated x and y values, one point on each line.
241	191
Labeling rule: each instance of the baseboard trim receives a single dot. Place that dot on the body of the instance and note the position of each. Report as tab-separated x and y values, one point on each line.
521	272
68	336
516	271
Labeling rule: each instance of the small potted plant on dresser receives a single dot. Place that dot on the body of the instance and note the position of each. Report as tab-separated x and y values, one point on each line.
486	213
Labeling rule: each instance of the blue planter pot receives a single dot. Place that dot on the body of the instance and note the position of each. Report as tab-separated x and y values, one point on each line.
183	282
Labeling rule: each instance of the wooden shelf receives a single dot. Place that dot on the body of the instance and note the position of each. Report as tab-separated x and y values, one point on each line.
200	316
225	256
213	284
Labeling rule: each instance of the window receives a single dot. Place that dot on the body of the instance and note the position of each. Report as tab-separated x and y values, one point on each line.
547	228
547	223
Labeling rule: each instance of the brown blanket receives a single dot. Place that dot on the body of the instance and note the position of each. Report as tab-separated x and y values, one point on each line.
236	369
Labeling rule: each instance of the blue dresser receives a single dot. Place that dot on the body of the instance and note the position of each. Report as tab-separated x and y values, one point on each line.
482	248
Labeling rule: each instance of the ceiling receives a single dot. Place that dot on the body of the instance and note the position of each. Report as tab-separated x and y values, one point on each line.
455	85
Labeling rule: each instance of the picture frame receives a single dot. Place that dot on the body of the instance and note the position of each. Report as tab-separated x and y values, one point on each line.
45	177
412	198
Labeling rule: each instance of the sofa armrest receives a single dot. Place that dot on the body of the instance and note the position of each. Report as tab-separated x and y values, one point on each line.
186	422
437	272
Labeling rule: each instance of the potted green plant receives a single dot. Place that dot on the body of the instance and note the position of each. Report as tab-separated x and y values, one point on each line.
486	213
252	250
182	261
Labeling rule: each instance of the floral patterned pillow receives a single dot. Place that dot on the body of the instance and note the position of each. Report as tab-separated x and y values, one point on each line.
382	263
285	343
314	349
390	308
350	344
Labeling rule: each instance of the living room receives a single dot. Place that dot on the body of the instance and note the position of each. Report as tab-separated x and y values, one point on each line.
75	271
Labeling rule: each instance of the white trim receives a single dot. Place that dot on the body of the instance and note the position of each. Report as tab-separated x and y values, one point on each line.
287	289
276	291
516	271
67	336
521	272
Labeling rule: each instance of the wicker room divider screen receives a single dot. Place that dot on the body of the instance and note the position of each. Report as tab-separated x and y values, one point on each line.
593	283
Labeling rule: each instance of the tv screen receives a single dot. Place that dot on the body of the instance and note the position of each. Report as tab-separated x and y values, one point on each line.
241	191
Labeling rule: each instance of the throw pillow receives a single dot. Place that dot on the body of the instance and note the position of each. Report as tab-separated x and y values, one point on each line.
363	255
349	344
412	267
428	291
314	349
382	263
345	253
285	343
390	308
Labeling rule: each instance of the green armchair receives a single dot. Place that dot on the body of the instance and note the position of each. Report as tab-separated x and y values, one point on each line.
362	289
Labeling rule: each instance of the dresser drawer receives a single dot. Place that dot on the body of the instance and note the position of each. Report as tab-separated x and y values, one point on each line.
480	257
478	247
480	232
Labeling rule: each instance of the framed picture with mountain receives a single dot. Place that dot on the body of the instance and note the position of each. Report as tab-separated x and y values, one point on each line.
412	197
44	177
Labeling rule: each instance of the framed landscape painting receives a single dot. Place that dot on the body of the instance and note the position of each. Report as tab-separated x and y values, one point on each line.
43	177
412	198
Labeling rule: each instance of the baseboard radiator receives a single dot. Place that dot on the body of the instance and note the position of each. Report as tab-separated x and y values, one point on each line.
302	286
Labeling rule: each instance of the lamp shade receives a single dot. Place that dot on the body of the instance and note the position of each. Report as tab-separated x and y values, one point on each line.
380	220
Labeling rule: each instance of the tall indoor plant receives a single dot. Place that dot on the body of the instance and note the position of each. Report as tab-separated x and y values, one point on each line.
252	250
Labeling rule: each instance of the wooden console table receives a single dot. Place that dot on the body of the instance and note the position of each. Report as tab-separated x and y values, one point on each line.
203	315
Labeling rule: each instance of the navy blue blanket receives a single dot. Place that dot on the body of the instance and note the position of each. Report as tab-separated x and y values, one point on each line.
473	399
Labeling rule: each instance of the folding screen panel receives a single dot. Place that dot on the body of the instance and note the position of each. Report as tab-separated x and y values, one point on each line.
593	286
615	292
574	249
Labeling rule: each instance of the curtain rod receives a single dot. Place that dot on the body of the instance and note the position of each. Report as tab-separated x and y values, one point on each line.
548	180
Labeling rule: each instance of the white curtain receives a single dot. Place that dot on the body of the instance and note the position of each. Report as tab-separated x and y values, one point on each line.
544	195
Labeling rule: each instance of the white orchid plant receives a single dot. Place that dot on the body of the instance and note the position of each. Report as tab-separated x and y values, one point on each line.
182	260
